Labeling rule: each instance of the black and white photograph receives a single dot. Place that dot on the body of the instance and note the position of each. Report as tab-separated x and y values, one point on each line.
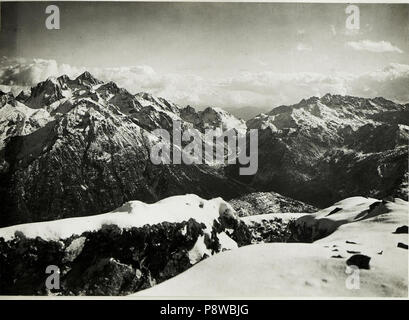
204	149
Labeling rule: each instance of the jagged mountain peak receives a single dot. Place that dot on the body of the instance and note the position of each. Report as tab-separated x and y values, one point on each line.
212	117
45	93
155	100
215	110
112	88
64	79
217	117
152	98
87	78
160	104
49	82
381	103
145	95
189	108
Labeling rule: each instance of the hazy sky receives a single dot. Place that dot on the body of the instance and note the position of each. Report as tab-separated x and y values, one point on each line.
213	53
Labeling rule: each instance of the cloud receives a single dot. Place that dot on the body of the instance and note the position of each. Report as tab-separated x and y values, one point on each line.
265	89
19	71
392	82
303	47
286	88
372	46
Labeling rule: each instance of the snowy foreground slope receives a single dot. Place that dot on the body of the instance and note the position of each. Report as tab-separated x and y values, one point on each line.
188	246
117	253
351	229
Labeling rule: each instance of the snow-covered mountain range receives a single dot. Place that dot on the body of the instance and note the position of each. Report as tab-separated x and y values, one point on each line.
70	147
79	191
75	147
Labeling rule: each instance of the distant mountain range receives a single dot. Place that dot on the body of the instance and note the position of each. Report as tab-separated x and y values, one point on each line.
322	150
73	147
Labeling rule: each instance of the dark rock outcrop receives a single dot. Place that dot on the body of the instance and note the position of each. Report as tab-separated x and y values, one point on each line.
401	229
402	245
271	230
359	260
112	260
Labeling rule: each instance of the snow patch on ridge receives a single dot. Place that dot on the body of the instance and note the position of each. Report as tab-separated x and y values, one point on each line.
132	214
